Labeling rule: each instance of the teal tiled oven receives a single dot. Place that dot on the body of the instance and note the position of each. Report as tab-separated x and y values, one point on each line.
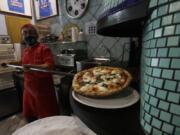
160	69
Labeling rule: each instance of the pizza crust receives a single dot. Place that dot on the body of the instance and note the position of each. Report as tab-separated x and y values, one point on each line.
101	81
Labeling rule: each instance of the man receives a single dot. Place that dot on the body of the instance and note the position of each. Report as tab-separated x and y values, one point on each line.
39	98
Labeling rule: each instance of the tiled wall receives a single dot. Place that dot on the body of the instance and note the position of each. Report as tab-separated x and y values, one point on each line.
160	69
119	47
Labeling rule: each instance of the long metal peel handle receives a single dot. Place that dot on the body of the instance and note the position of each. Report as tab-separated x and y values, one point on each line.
42	70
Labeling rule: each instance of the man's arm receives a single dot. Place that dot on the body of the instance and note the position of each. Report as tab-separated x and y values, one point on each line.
43	66
4	64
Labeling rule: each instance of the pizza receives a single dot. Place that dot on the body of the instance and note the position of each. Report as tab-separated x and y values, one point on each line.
101	81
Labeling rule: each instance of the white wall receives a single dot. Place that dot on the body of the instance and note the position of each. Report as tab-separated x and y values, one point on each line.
3	28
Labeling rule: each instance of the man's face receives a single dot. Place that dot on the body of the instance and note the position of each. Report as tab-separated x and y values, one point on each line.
29	36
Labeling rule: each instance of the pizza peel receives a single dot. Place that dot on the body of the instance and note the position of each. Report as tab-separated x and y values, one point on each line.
40	70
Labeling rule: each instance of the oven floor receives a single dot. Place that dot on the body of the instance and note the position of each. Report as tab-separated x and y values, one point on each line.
10	124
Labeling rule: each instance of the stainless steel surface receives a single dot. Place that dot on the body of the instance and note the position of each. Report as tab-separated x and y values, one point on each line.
85	64
68	57
42	70
65	59
98	61
101	59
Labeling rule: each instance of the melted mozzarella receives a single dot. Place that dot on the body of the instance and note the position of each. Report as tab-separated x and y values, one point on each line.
104	71
97	71
115	80
86	79
114	72
93	80
85	87
101	87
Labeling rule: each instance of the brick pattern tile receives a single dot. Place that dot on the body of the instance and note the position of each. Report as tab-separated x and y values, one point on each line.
160	69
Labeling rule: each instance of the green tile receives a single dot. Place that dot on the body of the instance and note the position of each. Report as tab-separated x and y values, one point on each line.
150	80
178	88
156	72
177	75
163	105
167	20
142	100
147	52
153	52
154	112
153	3
170	85
177	131
146	97
149	27
178	29
167	128
142	122
145	78
149	70
156	123
145	30
175	63
147	128
153	43
169	30
173	41
176	18
174	52
147	107
156	23
147	117
158	32
158	83
174	97
154	62
165	116
161	94
148	61
162	2
150	35
161	42
164	62
152	90
146	87
174	6
146	45
153	101
163	10
154	14
162	52
167	73
175	109
156	132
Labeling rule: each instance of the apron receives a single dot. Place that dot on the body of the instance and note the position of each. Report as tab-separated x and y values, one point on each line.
39	99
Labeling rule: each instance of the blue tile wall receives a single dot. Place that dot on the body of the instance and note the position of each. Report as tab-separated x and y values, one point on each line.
160	69
119	47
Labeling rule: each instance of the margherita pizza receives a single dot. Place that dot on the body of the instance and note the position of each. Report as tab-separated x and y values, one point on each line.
101	81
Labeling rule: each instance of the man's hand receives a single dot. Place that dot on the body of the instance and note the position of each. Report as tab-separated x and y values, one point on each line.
3	64
26	68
